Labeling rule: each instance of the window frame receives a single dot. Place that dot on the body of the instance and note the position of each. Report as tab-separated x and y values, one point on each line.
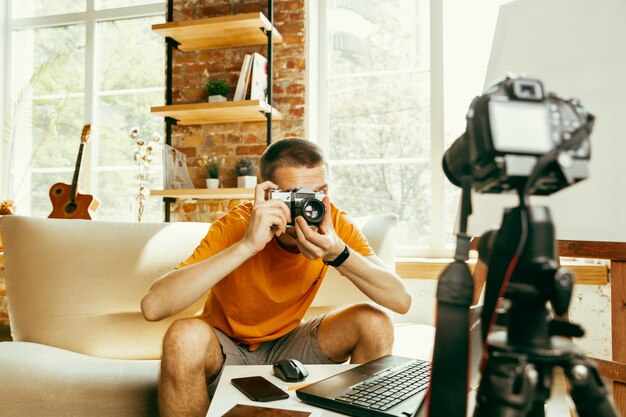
90	17
317	118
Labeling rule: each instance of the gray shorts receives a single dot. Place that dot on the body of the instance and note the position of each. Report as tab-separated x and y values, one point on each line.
301	343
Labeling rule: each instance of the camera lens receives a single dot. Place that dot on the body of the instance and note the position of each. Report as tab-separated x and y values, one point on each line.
456	161
312	210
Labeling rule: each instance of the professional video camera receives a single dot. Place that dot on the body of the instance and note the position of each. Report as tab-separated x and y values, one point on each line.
517	139
508	129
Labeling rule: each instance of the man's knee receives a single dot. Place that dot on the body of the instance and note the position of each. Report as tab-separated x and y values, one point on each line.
188	343
372	320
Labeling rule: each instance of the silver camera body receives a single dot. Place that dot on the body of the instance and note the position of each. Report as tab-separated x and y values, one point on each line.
301	202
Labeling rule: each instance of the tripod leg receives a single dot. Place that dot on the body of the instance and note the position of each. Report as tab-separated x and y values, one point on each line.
587	389
507	388
542	391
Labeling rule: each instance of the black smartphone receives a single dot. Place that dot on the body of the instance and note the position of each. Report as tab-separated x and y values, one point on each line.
258	388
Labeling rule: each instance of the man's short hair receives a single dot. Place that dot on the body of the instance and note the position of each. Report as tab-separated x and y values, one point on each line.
290	152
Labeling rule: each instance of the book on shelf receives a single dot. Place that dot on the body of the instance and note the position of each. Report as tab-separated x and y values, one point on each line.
244	77
175	174
258	88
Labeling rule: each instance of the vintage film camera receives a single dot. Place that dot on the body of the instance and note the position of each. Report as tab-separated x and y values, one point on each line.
508	129
302	202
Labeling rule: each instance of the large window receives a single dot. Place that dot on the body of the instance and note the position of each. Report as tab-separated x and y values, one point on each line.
77	62
395	80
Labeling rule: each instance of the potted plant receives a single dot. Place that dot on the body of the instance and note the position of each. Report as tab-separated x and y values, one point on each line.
213	167
217	89
245	171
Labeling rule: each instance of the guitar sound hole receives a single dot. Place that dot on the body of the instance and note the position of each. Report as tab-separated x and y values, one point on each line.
58	191
70	208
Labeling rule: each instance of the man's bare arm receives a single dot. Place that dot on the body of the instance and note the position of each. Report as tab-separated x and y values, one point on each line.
369	274
373	278
179	289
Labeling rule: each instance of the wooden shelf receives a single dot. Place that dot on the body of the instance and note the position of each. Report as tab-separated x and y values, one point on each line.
219	32
223	112
207	193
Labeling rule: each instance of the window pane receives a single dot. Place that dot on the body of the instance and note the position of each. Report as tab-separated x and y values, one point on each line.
109	4
378	89
51	141
120	114
48	78
138	63
33	8
51	60
48	110
118	189
118	181
138	58
377	86
379	116
403	189
370	35
56	134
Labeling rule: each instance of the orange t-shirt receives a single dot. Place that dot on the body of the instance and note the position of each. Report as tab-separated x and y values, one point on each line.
268	295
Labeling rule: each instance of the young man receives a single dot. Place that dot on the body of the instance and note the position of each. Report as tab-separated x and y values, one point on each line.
263	276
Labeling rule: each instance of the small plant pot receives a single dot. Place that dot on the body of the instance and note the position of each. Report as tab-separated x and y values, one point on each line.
212	183
216	99
246	181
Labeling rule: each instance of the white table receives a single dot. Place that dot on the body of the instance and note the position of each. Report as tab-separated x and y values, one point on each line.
226	396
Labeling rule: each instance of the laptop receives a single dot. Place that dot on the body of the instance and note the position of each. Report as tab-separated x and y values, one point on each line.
391	386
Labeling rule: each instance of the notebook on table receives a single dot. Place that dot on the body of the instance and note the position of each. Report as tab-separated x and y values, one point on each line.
391	386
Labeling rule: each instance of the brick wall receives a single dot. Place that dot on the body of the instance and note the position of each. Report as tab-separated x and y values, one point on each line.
192	70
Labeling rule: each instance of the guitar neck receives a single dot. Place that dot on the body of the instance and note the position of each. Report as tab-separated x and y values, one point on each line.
74	186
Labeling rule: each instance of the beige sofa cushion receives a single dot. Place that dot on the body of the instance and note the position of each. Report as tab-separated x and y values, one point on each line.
77	284
40	380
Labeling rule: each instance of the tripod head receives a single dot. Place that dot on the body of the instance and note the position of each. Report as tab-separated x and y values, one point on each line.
524	269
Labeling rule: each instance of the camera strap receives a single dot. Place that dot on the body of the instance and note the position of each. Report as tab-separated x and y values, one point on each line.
447	395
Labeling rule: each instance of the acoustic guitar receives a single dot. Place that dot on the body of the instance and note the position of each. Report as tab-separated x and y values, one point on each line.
67	202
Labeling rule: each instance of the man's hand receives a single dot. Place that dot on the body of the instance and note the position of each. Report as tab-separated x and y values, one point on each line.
323	243
268	218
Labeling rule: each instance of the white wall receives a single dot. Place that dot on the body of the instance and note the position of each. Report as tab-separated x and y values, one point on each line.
594	314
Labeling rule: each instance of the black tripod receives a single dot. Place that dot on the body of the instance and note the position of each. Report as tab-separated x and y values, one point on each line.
517	376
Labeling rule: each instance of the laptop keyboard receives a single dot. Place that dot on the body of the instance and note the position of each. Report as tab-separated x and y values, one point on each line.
390	387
